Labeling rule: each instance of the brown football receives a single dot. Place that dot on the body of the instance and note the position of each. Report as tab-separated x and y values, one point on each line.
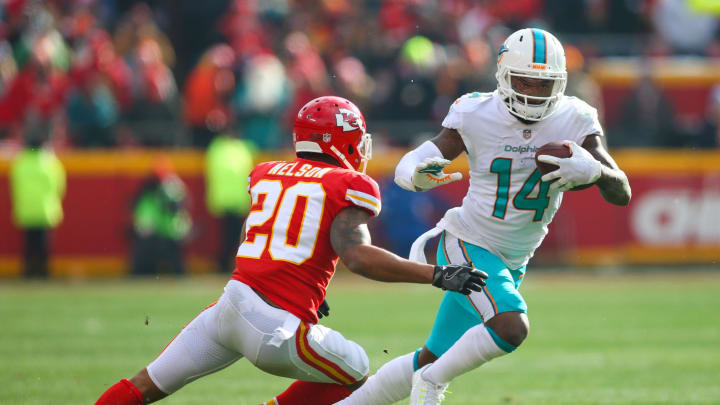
560	150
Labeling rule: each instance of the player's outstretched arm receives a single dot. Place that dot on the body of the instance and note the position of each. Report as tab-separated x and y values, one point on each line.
613	182
350	238
422	168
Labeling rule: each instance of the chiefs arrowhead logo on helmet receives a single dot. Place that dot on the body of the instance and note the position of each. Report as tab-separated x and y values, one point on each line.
347	120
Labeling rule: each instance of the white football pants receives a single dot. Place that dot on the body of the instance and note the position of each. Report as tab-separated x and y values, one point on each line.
240	324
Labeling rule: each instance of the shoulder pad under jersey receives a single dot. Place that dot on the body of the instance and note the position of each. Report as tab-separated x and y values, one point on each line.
470	101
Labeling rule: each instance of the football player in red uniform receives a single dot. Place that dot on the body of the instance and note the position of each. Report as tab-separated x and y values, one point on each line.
304	215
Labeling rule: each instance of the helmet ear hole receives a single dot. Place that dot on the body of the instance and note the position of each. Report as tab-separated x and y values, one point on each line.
351	150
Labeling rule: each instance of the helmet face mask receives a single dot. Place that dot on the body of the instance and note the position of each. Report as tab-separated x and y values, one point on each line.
535	59
533	89
333	126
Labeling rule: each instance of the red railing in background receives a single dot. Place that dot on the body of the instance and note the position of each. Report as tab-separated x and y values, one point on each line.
672	219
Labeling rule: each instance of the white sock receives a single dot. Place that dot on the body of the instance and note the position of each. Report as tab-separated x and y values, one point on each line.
475	348
391	383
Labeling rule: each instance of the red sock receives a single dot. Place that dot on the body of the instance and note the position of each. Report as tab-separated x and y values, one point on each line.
311	393
122	393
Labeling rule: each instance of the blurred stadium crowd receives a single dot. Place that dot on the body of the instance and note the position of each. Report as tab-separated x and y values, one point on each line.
164	73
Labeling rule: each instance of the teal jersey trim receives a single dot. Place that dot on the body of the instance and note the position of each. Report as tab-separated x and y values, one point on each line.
507	347
539	52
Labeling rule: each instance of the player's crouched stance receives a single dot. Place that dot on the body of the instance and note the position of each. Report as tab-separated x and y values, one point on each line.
305	214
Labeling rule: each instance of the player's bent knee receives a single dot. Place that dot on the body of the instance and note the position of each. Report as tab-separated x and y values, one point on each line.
512	327
345	354
352	353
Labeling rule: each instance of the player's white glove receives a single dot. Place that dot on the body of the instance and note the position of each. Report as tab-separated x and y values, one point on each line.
579	169
429	174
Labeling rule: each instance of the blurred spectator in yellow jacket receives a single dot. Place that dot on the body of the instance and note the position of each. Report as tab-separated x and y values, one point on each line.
37	186
227	166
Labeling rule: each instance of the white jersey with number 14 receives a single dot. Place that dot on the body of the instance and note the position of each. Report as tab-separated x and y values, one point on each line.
507	207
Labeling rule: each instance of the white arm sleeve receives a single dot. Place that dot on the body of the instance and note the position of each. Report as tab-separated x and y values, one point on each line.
406	167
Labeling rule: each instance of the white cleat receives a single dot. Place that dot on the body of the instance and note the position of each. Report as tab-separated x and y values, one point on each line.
425	392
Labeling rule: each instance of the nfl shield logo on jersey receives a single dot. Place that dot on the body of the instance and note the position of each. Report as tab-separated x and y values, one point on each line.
527	133
327	138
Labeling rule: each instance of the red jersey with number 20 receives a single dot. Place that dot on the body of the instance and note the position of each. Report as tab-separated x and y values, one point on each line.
287	254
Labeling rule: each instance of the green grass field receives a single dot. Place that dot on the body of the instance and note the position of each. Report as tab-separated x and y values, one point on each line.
649	338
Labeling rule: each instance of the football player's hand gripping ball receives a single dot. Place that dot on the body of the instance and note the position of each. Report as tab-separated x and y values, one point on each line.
579	169
323	309
460	278
429	174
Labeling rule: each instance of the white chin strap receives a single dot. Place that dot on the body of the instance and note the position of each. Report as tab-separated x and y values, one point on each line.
364	149
342	157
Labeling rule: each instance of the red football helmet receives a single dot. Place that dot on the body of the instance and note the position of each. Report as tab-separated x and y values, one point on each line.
336	127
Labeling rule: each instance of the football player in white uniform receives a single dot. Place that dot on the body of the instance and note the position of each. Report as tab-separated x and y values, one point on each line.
504	215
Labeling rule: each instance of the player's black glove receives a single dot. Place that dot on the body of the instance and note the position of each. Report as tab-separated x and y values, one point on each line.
323	309
460	278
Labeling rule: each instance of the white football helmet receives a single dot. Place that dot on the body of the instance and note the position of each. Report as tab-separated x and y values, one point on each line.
536	54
